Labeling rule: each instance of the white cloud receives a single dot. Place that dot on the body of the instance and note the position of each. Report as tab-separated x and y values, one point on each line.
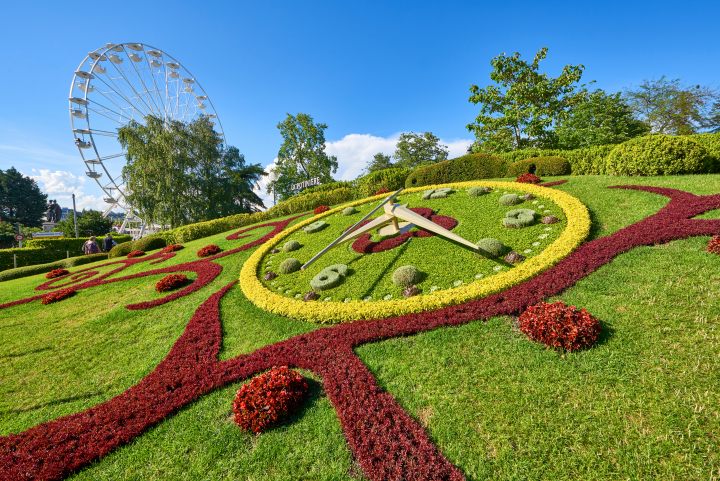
61	184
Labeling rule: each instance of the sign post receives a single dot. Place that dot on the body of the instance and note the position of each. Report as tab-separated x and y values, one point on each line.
19	238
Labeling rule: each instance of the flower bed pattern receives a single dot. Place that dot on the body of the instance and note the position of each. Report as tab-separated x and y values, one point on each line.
397	450
714	245
528	179
320	209
171	282
208	251
560	326
57	296
171	248
135	253
56	273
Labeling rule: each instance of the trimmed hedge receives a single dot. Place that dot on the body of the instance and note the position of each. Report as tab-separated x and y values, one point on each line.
588	160
467	167
31	270
711	142
42	251
522	154
543	166
658	155
149	243
391	179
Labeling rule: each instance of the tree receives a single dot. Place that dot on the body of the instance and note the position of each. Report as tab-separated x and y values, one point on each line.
90	222
522	108
20	199
179	172
670	108
302	154
417	149
599	119
379	161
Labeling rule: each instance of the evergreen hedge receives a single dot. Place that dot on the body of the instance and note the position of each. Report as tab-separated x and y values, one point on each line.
659	155
467	167
543	166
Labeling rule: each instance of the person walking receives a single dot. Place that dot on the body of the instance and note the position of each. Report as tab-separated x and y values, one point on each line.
108	243
90	246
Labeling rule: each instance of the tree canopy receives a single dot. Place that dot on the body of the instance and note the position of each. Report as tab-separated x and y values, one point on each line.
302	154
20	199
90	222
414	149
179	172
522	107
379	161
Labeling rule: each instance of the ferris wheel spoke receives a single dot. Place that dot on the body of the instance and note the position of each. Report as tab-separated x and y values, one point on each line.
108	117
108	109
142	113
150	97
132	87
115	89
157	89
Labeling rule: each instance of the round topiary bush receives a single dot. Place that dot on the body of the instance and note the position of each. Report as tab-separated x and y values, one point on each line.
713	246
289	265
658	155
560	326
510	199
478	191
57	273
171	282
492	246
528	179
325	280
550	165
172	248
406	276
149	243
290	246
121	250
517	218
349	211
209	250
315	226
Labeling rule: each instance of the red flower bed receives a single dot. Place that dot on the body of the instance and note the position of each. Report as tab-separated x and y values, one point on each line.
560	326
714	245
56	273
171	282
135	253
320	209
382	190
57	296
209	250
171	248
269	398
528	179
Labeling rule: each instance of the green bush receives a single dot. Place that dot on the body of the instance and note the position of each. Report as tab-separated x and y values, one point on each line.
391	179
478	191
543	166
305	202
658	155
289	265
31	270
588	160
510	199
711	142
290	246
42	251
406	276
492	246
518	218
120	250
326	187
522	154
316	226
149	243
467	167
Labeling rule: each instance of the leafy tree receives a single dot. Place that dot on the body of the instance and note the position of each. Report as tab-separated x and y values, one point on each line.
670	108
237	183
379	161
302	155
414	149
599	119
521	109
713	121
20	199
90	222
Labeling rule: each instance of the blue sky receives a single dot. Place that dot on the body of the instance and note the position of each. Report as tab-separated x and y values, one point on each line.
369	70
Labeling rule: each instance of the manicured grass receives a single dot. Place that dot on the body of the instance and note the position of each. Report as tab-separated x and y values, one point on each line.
643	404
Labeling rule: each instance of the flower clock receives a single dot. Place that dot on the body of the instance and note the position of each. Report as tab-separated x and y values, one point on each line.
360	283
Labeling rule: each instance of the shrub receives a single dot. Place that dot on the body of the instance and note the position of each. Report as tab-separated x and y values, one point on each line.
320	209
57	296
289	266
326	187
560	326
290	246
382	190
305	202
406	276
711	143
325	280
56	273
171	282
516	155
517	218
349	211
121	250
478	191
588	160
543	166
492	246
390	179
135	253
510	199
341	269
658	155
149	243
43	268
467	167
269	398
172	248
714	245
528	179
209	250
315	226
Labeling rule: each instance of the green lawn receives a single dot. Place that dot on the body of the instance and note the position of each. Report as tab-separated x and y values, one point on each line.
643	404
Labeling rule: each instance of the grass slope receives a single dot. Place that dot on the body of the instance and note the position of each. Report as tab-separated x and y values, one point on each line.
643	404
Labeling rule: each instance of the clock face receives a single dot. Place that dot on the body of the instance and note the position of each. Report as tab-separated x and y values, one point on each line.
364	286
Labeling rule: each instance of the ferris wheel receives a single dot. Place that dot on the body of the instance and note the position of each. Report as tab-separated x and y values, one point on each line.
125	82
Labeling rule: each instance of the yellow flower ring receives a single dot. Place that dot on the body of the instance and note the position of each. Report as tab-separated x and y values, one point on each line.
577	229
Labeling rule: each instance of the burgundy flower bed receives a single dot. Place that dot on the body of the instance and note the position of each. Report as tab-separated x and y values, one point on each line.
385	440
714	245
382	190
528	179
56	273
172	282
135	253
57	296
171	248
320	209
269	398
560	326
209	250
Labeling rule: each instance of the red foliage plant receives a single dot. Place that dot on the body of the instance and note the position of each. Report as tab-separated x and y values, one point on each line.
268	398
57	296
135	253
171	282
560	326
528	179
209	250
171	248
382	190
56	273
320	209
714	245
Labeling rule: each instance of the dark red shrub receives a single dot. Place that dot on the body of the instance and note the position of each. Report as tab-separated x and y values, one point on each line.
320	209
268	398
209	250
560	326
528	179
135	253
57	296
382	190
56	273
171	282
172	248
714	245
